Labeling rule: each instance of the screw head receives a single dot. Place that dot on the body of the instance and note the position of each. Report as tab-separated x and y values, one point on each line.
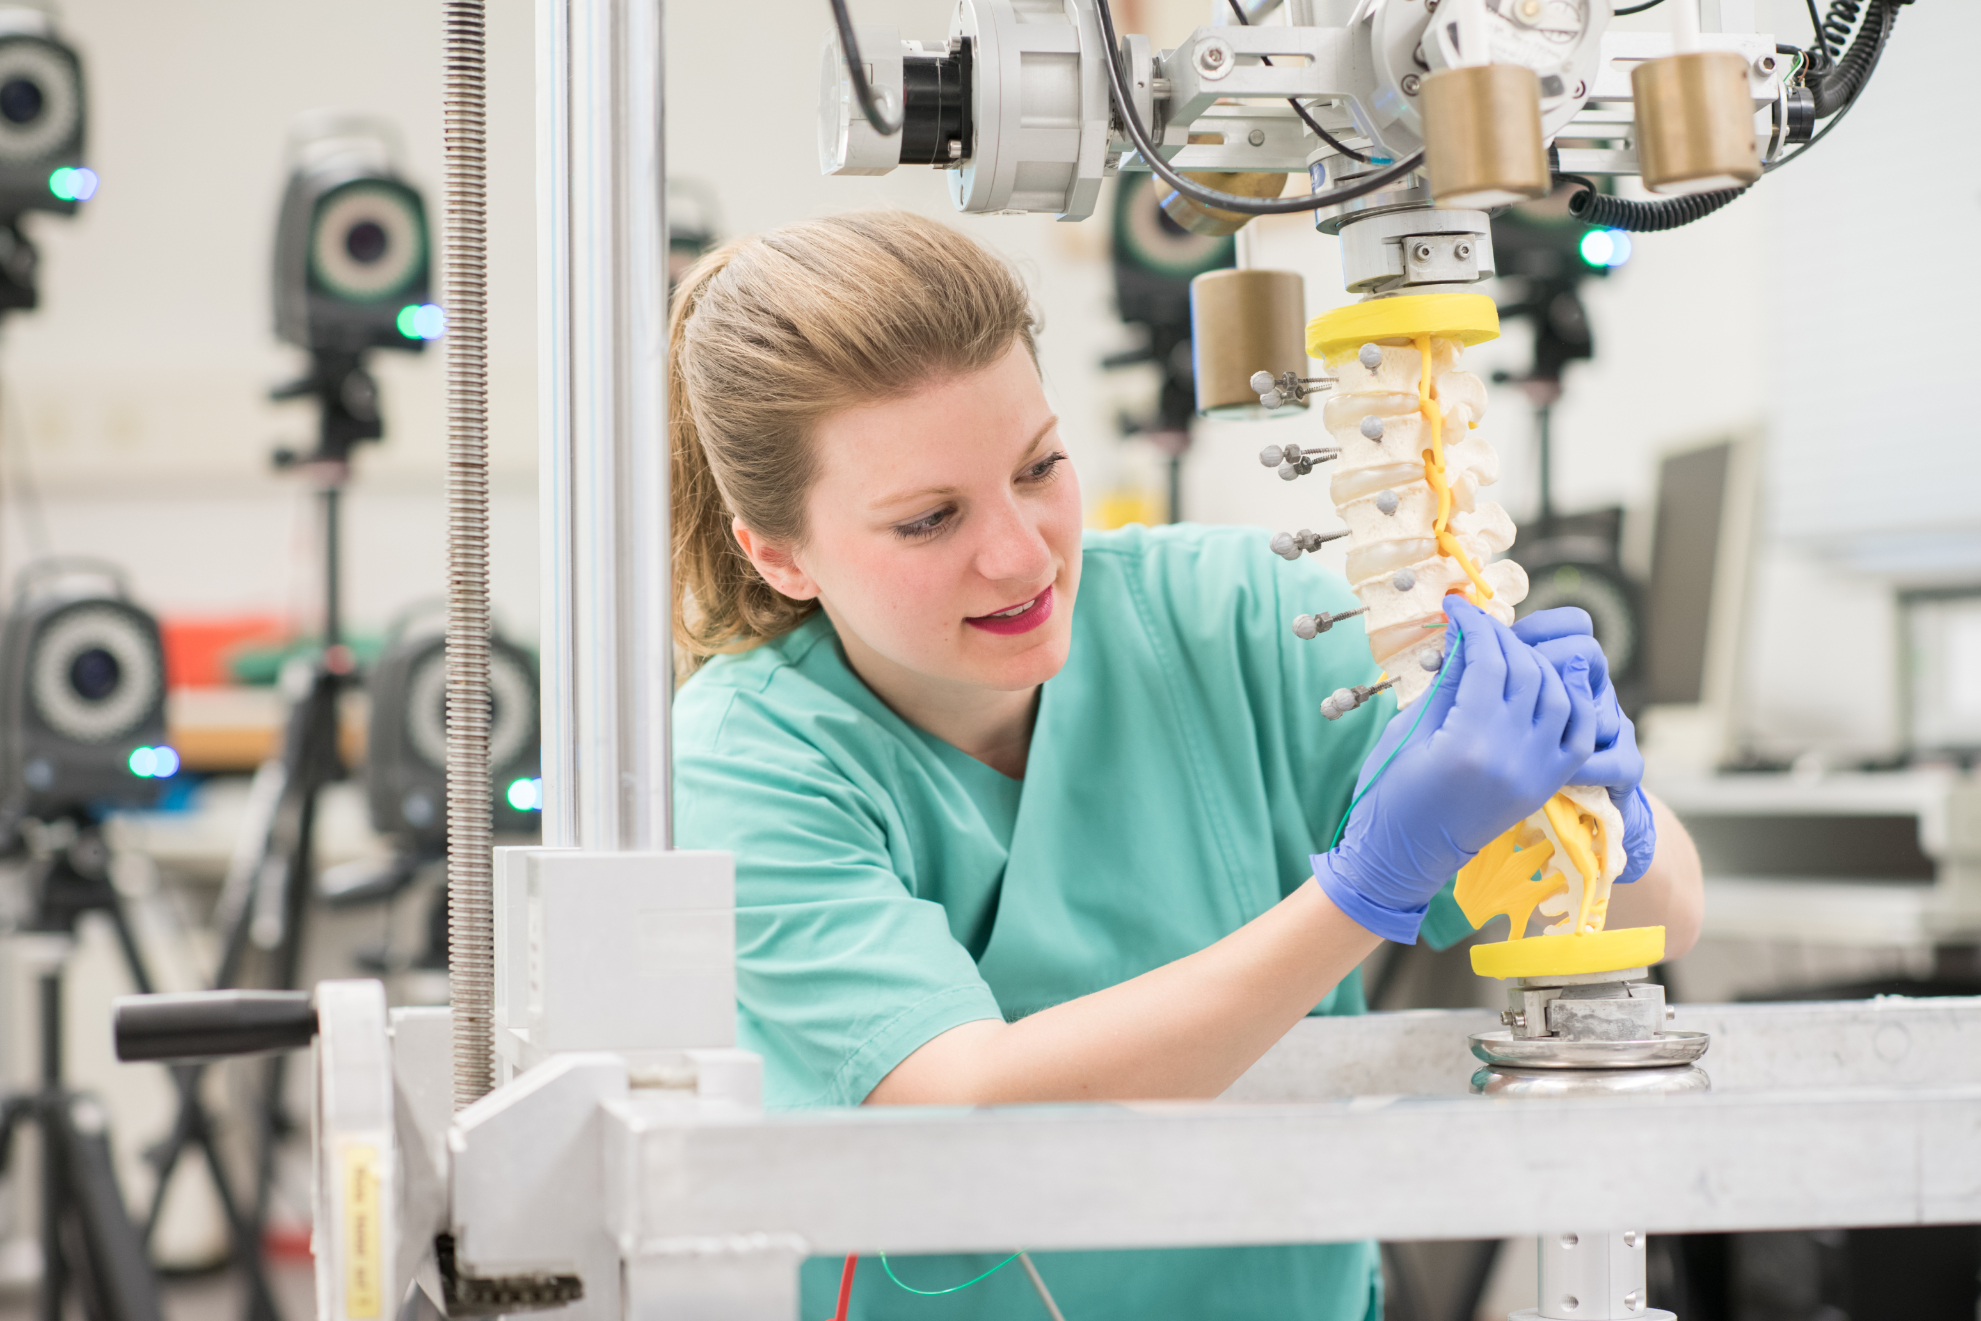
1767	63
1569	1241
1257	137
1630	1239
1462	250
1633	1300
1372	427
1214	59
1421	251
1411	82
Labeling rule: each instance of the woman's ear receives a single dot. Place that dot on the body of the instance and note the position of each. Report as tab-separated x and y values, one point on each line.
776	563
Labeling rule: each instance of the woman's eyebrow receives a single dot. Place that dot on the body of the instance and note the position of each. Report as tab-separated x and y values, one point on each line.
903	497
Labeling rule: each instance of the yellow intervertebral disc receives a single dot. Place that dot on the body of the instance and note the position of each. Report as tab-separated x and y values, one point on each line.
1468	318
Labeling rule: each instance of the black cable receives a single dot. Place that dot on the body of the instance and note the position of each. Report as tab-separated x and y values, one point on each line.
1887	14
1638	9
1212	197
1819	53
856	70
1294	101
1838	87
1605	212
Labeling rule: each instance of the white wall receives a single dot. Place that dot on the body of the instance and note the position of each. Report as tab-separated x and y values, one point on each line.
1816	309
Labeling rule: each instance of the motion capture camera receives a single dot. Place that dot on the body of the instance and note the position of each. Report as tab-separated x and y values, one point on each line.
82	695
41	118
406	761
353	256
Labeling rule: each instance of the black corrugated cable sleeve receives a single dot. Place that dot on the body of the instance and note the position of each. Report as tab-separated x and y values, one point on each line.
1594	208
1837	87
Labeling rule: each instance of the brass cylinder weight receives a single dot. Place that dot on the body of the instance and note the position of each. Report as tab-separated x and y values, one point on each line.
1242	322
1482	136
1695	123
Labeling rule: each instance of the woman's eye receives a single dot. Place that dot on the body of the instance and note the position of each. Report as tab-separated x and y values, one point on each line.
926	526
1043	470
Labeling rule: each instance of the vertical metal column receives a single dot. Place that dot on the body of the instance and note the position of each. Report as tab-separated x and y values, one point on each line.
607	645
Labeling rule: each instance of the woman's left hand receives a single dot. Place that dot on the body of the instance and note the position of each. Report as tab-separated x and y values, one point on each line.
1616	764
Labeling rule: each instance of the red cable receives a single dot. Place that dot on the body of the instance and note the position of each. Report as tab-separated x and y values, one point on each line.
846	1285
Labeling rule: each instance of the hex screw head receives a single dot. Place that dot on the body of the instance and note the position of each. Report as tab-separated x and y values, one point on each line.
1411	83
1257	137
1462	250
1422	252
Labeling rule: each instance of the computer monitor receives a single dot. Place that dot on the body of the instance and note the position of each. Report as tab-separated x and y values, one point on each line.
1695	606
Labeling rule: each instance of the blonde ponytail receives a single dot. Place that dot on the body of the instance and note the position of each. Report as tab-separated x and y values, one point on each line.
770	335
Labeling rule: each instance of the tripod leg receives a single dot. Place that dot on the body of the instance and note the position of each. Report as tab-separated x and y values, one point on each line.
54	1269
113	1261
247	1247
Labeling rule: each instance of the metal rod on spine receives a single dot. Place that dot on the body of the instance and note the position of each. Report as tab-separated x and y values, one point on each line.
470	900
607	635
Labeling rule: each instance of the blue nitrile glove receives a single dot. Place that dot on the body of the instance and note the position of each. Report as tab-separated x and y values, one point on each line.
1615	764
1502	732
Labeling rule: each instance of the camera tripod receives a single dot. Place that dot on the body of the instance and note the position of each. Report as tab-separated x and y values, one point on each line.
265	904
88	1241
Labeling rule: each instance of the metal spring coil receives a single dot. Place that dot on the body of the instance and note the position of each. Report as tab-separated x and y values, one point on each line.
470	887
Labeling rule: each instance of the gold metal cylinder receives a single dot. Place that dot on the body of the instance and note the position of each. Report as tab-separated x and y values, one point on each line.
1210	221
1243	322
1482	136
1695	123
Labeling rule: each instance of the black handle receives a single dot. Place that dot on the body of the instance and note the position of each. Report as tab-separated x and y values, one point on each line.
204	1025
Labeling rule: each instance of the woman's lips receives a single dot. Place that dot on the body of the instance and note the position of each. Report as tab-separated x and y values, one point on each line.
1036	612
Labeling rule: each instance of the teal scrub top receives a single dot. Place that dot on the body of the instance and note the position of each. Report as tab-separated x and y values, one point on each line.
890	887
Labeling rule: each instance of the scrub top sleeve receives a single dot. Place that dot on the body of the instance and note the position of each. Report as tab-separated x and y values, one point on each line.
1327	754
842	972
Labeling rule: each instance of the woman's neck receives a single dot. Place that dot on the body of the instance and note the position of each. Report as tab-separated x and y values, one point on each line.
993	726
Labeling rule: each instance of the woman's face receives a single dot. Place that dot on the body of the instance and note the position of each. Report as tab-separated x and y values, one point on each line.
943	534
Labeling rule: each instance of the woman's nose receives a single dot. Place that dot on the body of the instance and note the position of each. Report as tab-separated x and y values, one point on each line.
1013	547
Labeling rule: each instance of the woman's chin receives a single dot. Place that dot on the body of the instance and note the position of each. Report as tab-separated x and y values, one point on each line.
1036	660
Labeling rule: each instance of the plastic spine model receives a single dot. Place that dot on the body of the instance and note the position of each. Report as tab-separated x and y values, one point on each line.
1409	469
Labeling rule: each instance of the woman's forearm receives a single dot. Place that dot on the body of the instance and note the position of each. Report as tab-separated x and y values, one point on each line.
1183	1031
1671	893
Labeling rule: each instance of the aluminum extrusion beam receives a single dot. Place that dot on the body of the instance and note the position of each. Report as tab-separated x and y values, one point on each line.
607	655
1045	1177
1888	1042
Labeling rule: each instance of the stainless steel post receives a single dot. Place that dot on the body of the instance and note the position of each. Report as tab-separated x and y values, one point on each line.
602	293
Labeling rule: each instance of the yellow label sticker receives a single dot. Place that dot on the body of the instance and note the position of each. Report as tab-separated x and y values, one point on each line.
364	1237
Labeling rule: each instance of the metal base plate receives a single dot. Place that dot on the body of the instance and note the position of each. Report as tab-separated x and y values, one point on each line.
1665	1051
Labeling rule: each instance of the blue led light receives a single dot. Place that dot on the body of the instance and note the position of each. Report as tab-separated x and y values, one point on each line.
73	184
1605	247
422	321
526	795
160	763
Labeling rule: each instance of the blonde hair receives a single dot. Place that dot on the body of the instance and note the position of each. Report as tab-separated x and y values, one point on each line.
770	335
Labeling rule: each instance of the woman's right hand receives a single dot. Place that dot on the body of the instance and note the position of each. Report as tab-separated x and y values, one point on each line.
1503	733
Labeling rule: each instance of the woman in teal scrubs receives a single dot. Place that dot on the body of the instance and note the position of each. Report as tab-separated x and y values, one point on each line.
992	848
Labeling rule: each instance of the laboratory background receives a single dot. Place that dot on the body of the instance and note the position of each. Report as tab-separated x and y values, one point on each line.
1747	445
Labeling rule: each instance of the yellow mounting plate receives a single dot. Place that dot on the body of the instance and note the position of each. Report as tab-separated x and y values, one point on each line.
1469	318
1567	955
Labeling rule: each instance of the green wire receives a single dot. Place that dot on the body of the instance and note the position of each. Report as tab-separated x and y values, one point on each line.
937	1293
1458	637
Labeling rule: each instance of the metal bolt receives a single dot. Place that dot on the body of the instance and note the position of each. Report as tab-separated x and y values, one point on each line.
1214	59
1411	82
1422	252
1372	427
1403	580
1257	137
1633	1300
1462	250
1630	1239
1213	56
1569	1241
1370	356
1569	1302
1387	501
1767	63
1513	1018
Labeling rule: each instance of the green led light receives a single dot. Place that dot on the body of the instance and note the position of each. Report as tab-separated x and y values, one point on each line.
408	315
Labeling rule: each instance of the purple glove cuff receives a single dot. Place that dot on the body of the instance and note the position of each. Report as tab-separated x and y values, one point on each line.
1389	923
1640	832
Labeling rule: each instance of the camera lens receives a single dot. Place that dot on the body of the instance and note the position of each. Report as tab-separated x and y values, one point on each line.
365	241
94	674
20	100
